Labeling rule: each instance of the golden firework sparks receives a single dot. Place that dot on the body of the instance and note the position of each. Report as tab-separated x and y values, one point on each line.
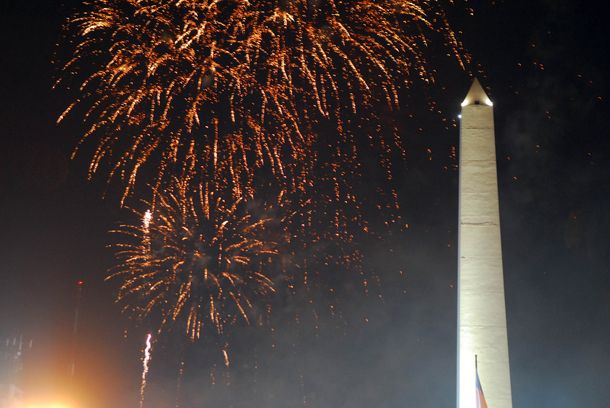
240	84
200	259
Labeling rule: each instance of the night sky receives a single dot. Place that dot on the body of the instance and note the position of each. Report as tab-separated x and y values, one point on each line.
545	64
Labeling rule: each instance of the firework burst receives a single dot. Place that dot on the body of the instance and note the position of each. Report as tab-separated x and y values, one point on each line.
242	84
196	261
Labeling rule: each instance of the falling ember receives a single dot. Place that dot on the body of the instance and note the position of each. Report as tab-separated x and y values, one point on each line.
146	361
226	357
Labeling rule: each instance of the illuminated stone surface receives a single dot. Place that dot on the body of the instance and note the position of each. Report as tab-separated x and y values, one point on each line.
481	304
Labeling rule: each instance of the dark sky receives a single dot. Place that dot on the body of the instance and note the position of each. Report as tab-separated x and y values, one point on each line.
545	64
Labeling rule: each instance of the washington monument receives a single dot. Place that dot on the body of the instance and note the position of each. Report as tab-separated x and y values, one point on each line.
481	306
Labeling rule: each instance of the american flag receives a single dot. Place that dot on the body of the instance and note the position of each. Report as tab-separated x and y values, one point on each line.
481	403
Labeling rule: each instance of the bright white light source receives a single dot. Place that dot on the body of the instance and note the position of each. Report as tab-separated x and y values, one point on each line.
477	96
146	219
486	102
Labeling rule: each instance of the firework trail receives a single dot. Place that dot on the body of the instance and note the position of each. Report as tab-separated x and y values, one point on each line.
241	83
179	384
200	259
146	361
75	334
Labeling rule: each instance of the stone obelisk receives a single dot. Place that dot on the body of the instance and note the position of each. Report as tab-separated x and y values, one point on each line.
481	304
